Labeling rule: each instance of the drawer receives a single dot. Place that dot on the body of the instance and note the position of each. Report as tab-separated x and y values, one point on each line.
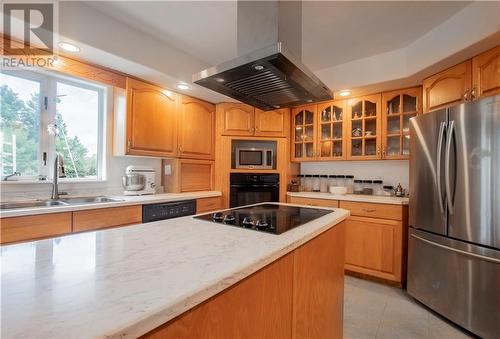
313	202
382	211
208	204
35	227
106	217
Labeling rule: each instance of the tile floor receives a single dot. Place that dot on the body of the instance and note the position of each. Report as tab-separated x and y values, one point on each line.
374	310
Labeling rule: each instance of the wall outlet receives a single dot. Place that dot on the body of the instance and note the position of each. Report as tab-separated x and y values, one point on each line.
167	170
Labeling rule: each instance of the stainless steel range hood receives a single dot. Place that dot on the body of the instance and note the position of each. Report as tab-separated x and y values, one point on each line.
269	77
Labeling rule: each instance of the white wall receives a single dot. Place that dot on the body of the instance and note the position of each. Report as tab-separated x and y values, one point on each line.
391	172
115	168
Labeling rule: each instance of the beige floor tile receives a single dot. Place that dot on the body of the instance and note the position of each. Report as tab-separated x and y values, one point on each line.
373	310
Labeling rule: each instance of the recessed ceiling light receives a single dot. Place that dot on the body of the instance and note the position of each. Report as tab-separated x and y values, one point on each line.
258	67
345	93
182	86
219	79
68	47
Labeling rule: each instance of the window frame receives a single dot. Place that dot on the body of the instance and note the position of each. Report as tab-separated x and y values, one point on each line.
48	89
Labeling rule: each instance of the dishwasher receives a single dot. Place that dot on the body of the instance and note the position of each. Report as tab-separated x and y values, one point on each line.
168	210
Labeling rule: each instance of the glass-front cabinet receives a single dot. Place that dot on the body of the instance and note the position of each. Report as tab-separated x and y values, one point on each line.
304	133
397	109
364	127
331	130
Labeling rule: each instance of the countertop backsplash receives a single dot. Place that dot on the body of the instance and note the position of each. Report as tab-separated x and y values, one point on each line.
391	172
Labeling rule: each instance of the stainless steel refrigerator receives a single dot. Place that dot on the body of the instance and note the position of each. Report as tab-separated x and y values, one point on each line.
454	217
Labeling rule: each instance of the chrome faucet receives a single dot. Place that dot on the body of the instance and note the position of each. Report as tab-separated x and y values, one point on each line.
6	178
58	165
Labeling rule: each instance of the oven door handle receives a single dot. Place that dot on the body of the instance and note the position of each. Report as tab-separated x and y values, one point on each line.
254	186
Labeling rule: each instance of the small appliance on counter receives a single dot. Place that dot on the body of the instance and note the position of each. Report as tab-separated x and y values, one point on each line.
139	180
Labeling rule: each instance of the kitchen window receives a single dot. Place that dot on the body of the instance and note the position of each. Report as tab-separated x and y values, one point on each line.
42	114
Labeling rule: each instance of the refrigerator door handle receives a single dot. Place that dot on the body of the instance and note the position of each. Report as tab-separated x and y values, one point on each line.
470	254
449	140
442	132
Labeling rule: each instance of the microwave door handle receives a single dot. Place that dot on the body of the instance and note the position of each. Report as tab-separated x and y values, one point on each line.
449	140
442	132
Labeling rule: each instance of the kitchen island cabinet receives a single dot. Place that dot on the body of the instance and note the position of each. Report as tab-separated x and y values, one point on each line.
182	278
282	299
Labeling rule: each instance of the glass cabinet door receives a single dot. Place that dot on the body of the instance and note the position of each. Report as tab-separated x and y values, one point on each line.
304	129
331	143
398	107
364	127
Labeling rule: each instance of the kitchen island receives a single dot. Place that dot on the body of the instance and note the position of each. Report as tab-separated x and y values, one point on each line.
167	278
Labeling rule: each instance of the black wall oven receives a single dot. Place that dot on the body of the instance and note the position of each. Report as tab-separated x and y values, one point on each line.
246	188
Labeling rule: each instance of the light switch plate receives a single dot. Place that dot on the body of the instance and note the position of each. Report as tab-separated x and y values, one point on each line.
167	170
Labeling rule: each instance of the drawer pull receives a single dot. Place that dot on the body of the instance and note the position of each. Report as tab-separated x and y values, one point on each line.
210	204
369	210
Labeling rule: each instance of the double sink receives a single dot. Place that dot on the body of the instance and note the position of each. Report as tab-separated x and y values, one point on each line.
57	202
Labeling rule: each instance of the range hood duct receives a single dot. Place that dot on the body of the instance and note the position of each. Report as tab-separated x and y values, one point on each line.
265	74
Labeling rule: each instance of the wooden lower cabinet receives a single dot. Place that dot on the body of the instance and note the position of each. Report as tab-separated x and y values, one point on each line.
376	240
300	295
312	202
375	237
208	204
382	211
374	247
318	286
106	217
33	227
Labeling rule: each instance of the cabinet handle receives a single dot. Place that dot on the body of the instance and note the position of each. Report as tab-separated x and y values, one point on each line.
180	148
128	145
466	96
368	210
383	151
378	150
473	93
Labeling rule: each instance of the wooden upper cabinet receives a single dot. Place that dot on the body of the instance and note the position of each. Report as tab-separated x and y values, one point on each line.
272	123
397	109
364	128
331	130
304	133
236	119
486	74
151	120
196	129
448	87
244	120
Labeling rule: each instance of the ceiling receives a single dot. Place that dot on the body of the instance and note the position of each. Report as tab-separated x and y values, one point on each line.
345	43
205	30
335	32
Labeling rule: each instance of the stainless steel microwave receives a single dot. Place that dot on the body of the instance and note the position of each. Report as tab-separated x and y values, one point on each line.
254	158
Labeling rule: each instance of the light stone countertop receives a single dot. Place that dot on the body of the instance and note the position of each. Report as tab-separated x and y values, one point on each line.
377	199
127	201
124	282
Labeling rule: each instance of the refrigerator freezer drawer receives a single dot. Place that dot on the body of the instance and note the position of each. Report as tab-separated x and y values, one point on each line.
458	280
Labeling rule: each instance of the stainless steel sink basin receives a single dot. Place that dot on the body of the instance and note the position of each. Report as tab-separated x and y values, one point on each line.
88	200
58	202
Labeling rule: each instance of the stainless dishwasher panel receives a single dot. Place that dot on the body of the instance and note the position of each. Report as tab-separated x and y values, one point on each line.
456	279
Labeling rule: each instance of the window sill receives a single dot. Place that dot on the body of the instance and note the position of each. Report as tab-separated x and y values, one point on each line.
61	181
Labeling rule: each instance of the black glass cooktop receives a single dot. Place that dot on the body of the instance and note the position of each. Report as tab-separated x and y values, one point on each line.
270	218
